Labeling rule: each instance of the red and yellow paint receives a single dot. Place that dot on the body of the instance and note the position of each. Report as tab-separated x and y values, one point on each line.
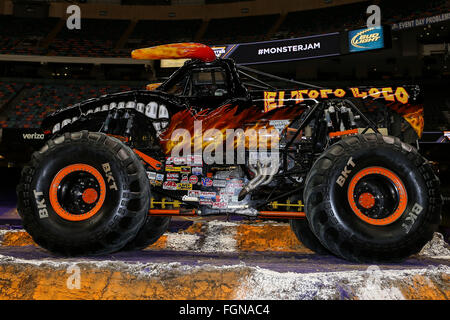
412	114
152	86
223	118
176	51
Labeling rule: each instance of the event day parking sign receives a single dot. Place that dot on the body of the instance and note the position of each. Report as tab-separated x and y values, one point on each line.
366	39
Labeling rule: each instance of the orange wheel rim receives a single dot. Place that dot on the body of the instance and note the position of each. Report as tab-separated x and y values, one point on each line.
367	200
89	195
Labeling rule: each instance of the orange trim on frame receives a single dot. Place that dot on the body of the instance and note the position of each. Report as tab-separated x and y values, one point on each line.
155	164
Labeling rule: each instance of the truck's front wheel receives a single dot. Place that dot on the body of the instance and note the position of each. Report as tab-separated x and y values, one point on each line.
83	193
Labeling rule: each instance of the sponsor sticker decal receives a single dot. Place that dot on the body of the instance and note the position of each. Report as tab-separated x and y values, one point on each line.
186	169
176	160
219	205
156	183
184	186
219	183
179	161
170	185
225	193
193	179
207	195
173	176
235	184
171	168
194	193
193	160
151	175
188	198
207	182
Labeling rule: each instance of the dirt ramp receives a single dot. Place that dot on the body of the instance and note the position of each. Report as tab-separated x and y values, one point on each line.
112	281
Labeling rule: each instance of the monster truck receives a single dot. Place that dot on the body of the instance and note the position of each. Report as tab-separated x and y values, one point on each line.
342	168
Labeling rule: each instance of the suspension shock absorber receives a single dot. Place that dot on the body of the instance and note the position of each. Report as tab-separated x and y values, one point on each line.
319	138
334	116
129	125
351	118
328	119
345	117
107	122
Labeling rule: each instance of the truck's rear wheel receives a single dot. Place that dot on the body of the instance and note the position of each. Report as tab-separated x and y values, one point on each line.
304	234
153	228
372	198
83	193
150	232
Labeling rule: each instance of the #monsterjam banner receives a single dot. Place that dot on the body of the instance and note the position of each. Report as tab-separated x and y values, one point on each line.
317	46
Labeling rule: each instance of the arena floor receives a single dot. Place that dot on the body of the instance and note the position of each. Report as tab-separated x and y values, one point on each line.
215	259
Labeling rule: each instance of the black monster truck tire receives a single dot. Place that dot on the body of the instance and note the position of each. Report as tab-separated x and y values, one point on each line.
153	228
83	193
303	232
372	198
